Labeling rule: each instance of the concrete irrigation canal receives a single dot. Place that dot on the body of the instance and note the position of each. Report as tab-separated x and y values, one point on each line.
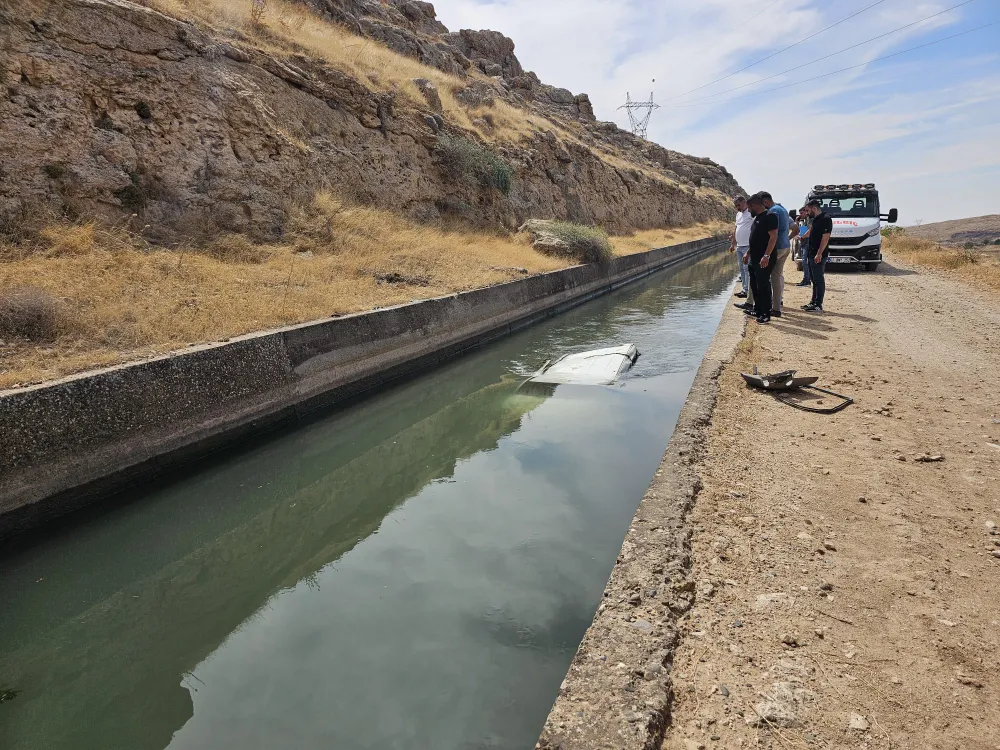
414	570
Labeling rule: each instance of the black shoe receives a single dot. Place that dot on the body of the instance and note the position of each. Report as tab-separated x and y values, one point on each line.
775	314
811	307
741	295
804	283
742	306
762	319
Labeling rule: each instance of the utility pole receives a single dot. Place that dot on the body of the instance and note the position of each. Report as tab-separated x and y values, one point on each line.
639	114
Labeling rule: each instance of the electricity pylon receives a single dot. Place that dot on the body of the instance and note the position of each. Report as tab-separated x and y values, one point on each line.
639	114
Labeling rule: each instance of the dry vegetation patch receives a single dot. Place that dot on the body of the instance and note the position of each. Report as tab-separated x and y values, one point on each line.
641	241
83	295
978	266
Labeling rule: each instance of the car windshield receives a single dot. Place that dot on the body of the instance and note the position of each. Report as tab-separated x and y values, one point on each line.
849	205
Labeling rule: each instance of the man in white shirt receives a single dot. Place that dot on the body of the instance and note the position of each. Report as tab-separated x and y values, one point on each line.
740	243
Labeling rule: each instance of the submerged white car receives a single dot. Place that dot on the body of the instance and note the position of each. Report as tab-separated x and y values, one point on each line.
596	367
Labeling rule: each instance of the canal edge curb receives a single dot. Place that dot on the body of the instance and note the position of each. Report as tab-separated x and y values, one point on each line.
618	690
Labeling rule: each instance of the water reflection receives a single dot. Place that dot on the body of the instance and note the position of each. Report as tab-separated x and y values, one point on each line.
414	571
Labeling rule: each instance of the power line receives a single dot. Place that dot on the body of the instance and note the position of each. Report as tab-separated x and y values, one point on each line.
842	70
825	57
761	12
784	49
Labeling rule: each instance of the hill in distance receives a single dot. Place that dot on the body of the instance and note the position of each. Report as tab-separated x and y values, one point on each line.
978	230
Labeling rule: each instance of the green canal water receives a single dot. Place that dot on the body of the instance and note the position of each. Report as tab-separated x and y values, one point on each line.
412	571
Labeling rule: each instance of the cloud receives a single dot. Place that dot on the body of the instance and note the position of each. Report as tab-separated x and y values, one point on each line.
909	124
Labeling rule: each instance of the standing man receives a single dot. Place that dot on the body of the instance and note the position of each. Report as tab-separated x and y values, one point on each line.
764	237
739	244
782	251
804	246
819	238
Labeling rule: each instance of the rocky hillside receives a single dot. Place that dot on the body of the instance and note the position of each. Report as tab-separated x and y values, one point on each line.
192	117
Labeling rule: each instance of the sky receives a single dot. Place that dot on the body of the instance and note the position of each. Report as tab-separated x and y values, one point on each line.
924	125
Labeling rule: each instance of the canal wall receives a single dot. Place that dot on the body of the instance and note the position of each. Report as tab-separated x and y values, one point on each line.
81	438
618	691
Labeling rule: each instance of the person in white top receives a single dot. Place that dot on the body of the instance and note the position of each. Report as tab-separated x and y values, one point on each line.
740	243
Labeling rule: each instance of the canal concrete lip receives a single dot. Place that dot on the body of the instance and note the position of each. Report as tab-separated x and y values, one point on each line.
618	690
80	439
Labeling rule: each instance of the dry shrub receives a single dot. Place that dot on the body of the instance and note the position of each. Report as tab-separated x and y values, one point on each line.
69	239
257	10
589	244
31	313
466	159
64	238
237	248
929	253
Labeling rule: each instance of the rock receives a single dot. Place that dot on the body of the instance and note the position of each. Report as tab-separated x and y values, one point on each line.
805	537
432	123
765	602
642	625
790	640
829	546
430	93
652	670
926	459
584	107
826	587
991	528
858	723
724	691
560	96
487	48
635	600
477	94
771	713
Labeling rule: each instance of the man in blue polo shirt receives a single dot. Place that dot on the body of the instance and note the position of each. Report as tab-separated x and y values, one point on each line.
781	252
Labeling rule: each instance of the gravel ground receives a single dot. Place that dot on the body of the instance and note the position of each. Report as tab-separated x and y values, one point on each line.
847	589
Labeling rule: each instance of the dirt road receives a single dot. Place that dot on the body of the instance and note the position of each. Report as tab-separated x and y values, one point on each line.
848	590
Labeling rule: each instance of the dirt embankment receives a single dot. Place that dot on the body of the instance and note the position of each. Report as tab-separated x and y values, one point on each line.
847	589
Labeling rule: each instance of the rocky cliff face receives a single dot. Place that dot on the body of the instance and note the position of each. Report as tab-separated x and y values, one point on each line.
112	109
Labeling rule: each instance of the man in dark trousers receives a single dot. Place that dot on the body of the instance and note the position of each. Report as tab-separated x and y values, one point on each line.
820	230
763	238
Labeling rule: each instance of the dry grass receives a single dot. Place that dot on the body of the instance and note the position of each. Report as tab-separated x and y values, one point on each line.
126	300
640	242
118	299
979	267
